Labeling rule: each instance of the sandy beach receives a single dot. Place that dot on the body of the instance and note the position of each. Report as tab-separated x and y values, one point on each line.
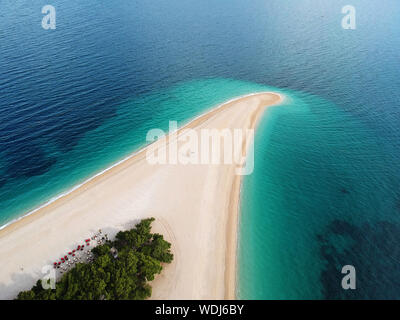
195	206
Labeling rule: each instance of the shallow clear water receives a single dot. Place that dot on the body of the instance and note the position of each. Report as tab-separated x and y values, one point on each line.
325	190
318	200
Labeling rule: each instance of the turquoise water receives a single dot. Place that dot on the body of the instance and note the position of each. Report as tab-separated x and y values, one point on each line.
117	138
325	190
317	201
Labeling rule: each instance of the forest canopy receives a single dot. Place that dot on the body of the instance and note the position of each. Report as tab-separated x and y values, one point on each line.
109	276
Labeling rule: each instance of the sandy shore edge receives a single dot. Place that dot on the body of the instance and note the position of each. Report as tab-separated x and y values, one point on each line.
232	228
234	197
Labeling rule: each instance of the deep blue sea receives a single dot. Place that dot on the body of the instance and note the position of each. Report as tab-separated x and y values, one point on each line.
326	187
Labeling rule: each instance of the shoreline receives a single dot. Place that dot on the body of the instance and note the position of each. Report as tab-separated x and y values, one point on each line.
232	227
43	212
131	155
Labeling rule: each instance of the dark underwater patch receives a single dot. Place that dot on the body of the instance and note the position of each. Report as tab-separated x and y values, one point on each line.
372	248
28	162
